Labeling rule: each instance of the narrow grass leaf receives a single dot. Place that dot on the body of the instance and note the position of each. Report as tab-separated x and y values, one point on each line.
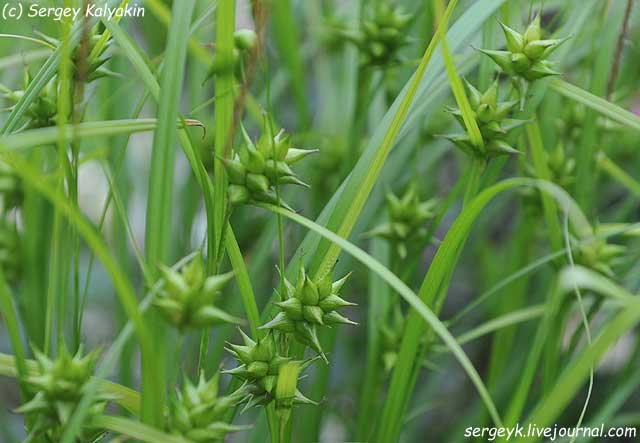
159	213
598	104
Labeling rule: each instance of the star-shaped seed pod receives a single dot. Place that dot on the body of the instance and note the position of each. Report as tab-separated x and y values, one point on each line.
308	305
407	218
186	298
258	167
599	255
43	111
492	117
244	41
200	415
526	54
10	250
381	37
260	365
58	386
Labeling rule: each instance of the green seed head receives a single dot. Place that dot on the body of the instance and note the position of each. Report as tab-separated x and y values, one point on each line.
308	305
599	255
199	414
491	115
260	366
380	38
186	297
526	54
57	386
407	218
258	167
42	111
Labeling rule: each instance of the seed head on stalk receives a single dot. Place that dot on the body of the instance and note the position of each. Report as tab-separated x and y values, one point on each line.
380	38
308	305
407	218
186	297
58	386
199	414
260	364
257	167
492	117
526	56
42	112
599	255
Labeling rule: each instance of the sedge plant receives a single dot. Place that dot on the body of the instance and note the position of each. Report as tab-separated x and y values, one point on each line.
284	221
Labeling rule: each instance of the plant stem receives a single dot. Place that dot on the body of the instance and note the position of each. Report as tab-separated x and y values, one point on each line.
160	200
224	111
473	179
224	81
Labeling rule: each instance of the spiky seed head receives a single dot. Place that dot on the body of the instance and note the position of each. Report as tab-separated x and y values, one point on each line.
407	217
186	297
306	306
259	167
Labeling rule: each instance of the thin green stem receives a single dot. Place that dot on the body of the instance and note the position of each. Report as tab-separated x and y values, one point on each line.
160	201
473	179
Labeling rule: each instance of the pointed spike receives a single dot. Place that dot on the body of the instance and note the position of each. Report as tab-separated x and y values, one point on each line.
280	322
248	341
293	180
539	49
490	96
300	398
501	58
215	283
310	335
211	316
313	314
515	40
337	285
295	155
385	231
238	371
474	94
533	31
292	307
333	318
498	147
540	70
